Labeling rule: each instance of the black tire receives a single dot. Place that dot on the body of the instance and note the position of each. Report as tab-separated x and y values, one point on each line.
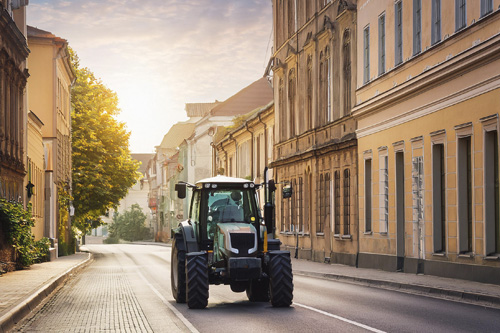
281	279
197	280
178	269
258	291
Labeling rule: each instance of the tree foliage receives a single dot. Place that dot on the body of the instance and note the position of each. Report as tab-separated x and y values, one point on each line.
129	226
103	169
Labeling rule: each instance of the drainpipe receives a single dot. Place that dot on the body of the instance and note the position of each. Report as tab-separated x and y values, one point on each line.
265	140
251	150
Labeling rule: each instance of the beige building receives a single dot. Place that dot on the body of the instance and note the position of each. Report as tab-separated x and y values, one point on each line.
245	149
314	67
49	87
35	173
427	105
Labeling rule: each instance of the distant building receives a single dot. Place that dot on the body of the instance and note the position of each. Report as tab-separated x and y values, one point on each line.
49	90
427	109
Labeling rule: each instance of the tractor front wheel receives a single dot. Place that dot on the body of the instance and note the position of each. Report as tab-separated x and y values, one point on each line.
178	270
281	279
197	280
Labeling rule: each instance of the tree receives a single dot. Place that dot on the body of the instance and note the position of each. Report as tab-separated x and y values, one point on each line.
129	226
103	169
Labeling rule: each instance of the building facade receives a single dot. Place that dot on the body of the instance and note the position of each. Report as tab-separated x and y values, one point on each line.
314	67
13	109
427	105
49	90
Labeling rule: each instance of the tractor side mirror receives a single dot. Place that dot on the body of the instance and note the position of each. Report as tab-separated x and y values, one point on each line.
287	191
180	188
271	186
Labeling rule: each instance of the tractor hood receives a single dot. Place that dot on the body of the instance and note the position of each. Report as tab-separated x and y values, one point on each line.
236	240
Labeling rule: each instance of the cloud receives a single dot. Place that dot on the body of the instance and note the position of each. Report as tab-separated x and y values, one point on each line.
160	54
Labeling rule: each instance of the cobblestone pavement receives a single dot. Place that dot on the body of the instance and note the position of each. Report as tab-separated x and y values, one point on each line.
99	299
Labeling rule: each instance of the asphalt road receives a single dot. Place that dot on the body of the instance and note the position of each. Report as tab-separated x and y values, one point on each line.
127	289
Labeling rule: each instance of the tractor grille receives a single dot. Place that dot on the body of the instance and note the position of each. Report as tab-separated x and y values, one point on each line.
242	241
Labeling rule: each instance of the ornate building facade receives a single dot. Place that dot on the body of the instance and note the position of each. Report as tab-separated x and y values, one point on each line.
13	114
314	67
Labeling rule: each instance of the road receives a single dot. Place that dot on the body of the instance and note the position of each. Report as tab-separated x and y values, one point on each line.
127	289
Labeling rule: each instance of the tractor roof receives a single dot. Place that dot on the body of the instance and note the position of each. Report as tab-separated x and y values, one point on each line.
223	180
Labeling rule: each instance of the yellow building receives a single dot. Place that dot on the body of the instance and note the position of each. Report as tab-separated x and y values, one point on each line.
35	173
427	105
49	87
314	67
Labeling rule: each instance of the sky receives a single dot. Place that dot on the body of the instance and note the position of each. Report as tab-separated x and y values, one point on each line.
158	55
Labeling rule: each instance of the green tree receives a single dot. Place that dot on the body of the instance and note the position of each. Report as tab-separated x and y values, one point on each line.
103	169
129	226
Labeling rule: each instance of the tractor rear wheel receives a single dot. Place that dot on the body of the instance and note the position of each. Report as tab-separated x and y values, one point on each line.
197	280
178	269
258	291
281	279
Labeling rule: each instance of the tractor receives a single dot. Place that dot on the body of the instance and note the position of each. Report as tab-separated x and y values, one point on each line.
225	240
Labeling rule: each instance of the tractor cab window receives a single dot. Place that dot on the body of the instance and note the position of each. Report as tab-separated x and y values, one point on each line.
230	206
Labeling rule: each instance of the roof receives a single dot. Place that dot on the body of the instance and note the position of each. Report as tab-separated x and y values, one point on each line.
223	179
199	109
176	134
256	95
144	159
39	33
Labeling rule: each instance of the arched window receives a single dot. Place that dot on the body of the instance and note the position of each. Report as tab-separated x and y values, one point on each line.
328	88
322	89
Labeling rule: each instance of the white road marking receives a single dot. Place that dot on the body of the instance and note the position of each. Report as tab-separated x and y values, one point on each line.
170	306
366	327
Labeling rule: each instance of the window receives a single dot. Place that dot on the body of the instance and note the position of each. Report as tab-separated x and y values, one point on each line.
486	7
337	202
368	195
291	101
398	40
328	86
300	204
417	26
347	202
417	189
384	192
491	197
324	202
282	111
436	21
347	71
381	44
309	93
325	87
366	54
438	199
464	184
460	14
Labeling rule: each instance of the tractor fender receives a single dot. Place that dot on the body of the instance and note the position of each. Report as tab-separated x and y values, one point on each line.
188	235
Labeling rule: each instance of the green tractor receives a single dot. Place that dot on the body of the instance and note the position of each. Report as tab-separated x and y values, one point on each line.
226	241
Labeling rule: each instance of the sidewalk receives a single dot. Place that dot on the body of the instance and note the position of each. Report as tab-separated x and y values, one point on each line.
21	291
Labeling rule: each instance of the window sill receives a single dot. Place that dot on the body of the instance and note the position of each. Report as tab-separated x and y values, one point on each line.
466	255
368	233
383	233
346	237
492	257
439	254
322	234
337	236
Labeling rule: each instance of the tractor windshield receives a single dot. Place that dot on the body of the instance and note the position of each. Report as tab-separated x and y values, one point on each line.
231	206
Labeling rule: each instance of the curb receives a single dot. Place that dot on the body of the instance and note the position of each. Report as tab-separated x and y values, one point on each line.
16	314
448	294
